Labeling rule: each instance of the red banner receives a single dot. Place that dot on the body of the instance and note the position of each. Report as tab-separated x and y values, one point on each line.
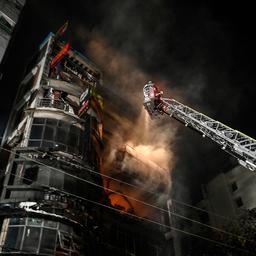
62	53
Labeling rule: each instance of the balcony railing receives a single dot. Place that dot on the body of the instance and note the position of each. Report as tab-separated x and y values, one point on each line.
52	103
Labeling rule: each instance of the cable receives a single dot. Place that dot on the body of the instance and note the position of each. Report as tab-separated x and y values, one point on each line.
141	218
140	188
132	185
132	198
127	196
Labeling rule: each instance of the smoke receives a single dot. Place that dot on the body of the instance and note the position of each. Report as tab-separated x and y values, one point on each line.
183	47
148	156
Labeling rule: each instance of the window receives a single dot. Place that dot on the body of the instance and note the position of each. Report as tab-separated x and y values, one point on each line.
50	224
31	239
30	174
13	238
56	134
239	202
38	121
234	186
17	221
36	132
33	235
34	222
48	133
61	135
48	241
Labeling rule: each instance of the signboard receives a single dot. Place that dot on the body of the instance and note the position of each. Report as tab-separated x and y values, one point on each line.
84	102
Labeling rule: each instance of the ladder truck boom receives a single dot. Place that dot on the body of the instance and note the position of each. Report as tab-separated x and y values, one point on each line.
237	144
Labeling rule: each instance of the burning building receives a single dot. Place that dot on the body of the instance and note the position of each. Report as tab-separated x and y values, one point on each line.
54	200
54	138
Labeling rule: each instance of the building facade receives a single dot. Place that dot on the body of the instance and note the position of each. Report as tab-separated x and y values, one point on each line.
54	139
236	188
53	200
9	14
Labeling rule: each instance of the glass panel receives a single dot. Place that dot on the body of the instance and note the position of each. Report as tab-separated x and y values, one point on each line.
34	143
50	223
34	222
51	122
17	221
13	238
38	120
72	140
48	133
47	144
61	135
36	132
30	174
63	124
31	239
65	228
48	241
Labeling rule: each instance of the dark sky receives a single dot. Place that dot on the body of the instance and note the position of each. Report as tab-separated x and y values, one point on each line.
204	50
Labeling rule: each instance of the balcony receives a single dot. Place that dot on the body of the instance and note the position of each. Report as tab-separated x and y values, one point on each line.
52	103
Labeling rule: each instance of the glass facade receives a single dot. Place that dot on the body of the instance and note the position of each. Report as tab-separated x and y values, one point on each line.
57	135
42	236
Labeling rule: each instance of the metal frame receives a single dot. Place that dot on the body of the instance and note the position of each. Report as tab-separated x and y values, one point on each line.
232	141
237	144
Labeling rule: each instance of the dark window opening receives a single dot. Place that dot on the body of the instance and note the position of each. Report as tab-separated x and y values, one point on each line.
30	174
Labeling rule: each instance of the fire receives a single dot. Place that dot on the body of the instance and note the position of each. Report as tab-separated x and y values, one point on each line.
147	157
120	202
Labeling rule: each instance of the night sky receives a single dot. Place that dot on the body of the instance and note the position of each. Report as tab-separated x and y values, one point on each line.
204	51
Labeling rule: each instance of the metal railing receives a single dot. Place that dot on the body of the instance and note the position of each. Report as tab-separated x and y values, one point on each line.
52	103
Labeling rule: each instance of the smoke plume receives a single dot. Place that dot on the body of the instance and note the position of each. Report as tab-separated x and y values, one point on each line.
148	156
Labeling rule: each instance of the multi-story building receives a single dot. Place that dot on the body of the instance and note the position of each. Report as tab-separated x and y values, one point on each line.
53	200
228	193
9	14
54	136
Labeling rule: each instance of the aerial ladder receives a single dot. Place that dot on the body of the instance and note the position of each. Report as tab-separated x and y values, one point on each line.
237	144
